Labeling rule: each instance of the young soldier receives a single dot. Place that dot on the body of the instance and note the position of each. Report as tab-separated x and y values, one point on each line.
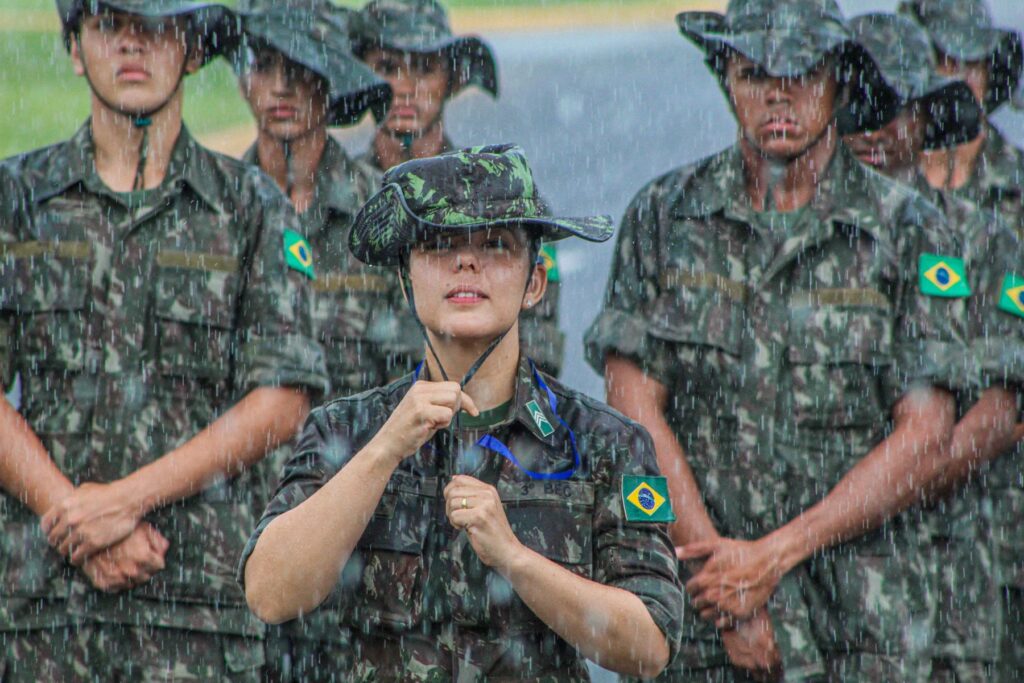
989	172
410	44
939	113
299	77
155	306
763	322
477	520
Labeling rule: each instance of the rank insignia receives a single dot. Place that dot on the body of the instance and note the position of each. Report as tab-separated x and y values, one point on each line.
1011	298
645	499
298	255
540	419
943	276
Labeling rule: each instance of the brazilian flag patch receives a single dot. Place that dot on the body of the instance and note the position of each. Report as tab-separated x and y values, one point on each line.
549	257
298	255
645	499
1011	299
943	276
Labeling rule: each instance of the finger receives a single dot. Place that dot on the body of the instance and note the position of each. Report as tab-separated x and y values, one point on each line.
693	551
151	563
454	504
461	519
696	585
79	555
438	417
725	622
467	404
58	532
48	520
157	541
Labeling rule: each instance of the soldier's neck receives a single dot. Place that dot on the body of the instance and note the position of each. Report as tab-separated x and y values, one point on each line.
495	382
391	150
117	142
951	169
293	164
791	182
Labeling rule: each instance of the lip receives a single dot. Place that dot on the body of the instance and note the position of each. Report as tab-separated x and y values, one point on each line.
872	156
404	111
282	112
132	72
464	294
780	126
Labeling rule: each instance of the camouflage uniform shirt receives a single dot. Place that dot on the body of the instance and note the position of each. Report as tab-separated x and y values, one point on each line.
133	320
420	603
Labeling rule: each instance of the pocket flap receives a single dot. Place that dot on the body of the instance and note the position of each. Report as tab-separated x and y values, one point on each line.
554	518
196	288
43	276
837	326
699	308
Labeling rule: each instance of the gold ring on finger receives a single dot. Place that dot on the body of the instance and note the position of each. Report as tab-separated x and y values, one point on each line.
465	503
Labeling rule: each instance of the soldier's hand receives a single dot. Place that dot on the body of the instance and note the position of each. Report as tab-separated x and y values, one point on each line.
425	409
93	517
737	578
476	508
129	563
751	647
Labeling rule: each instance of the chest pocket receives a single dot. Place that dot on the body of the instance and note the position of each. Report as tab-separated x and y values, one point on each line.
195	309
344	306
840	346
382	584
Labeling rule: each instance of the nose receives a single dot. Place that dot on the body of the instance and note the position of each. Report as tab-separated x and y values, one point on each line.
131	38
466	258
281	80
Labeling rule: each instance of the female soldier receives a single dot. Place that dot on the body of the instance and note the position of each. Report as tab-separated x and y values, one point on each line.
510	540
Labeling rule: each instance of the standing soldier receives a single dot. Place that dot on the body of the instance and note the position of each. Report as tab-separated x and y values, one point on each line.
763	323
155	306
410	44
940	113
298	75
990	173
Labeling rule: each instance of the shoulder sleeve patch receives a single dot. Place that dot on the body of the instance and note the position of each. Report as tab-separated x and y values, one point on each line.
646	499
942	276
1011	297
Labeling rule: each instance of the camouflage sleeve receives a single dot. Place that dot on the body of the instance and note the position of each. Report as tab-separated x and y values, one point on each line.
996	307
636	556
622	325
10	202
277	346
304	474
930	347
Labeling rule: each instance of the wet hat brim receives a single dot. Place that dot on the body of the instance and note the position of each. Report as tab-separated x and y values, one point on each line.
386	228
354	88
954	115
215	21
1001	48
472	60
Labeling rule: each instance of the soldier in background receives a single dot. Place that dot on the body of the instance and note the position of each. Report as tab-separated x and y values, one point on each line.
297	72
155	305
763	323
940	113
410	44
989	172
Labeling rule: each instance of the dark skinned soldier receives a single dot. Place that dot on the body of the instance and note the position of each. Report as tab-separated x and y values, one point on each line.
410	44
155	306
762	322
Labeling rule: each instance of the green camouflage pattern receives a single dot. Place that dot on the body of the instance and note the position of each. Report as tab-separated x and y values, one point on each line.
315	35
419	603
785	343
963	30
136	320
906	61
212	19
539	334
470	189
422	26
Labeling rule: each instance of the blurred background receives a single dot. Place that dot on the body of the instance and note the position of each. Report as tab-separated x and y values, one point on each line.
603	96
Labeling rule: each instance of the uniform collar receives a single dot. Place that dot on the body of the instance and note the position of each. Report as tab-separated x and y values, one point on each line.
77	165
370	158
1000	165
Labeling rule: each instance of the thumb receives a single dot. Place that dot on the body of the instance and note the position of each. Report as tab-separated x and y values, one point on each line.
468	405
693	551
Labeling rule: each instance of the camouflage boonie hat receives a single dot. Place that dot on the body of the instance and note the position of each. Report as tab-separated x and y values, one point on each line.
213	19
422	26
963	30
461	191
315	35
903	53
787	38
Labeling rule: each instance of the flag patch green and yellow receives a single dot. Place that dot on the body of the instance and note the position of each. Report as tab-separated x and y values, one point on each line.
298	255
1011	298
549	256
943	276
646	499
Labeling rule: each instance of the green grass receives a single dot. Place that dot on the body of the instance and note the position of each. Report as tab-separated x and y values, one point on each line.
42	101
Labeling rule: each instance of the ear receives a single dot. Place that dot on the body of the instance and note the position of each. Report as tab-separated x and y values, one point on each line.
76	55
537	287
194	60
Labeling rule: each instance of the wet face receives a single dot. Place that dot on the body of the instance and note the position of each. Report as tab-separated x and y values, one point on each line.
974	74
895	148
420	84
133	63
781	117
471	287
287	99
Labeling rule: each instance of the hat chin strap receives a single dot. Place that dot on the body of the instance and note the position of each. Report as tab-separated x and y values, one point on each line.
139	119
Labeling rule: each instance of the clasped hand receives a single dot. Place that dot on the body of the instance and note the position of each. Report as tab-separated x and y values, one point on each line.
475	507
737	578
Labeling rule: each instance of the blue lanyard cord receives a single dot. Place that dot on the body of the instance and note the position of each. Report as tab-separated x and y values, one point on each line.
494	444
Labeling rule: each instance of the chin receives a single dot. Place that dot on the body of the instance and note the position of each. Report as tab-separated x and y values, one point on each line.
778	148
470	330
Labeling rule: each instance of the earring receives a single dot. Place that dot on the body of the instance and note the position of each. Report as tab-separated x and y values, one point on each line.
529	303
